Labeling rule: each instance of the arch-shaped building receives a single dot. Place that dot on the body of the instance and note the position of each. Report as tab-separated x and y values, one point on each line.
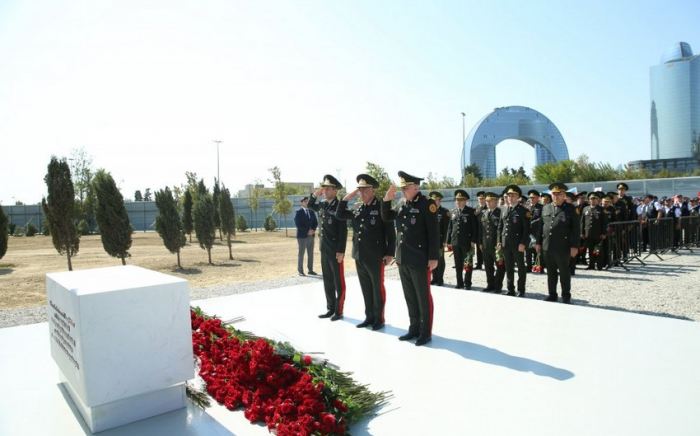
512	122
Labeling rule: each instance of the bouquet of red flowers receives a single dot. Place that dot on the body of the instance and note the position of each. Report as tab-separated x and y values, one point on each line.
500	261
537	267
598	248
292	393
468	259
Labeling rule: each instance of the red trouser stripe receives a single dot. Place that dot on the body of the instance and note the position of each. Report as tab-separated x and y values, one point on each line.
381	280
430	304
341	301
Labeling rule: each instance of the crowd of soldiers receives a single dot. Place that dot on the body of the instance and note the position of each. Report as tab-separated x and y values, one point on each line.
546	233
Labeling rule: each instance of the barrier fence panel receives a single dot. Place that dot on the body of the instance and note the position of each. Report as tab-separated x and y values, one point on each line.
688	234
660	231
624	244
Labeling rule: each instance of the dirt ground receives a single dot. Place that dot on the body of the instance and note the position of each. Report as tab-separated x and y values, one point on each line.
256	256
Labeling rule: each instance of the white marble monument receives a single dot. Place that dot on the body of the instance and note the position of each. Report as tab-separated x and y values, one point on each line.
121	338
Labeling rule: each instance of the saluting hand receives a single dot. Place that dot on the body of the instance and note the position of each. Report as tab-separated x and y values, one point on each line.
319	192
351	195
390	193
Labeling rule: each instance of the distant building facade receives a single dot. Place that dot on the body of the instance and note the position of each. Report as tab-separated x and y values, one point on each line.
675	112
306	188
512	122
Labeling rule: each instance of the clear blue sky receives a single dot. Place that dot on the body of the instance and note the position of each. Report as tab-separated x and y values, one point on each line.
316	86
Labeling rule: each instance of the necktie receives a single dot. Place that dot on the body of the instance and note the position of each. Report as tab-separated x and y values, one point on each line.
307	214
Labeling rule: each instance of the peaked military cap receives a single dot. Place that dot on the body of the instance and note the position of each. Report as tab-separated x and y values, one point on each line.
623	186
607	197
582	194
569	195
435	195
612	194
533	193
594	195
366	181
407	179
513	189
480	194
461	194
547	194
523	198
558	187
331	181
490	195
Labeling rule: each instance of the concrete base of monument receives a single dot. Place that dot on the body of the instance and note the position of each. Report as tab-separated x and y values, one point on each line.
496	365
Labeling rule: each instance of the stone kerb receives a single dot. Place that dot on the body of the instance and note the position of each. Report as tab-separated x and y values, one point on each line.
122	341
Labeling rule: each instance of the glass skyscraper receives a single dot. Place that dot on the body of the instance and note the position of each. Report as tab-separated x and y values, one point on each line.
675	104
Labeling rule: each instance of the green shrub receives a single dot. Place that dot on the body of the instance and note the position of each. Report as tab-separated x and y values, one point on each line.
32	229
11	228
18	231
45	228
241	224
269	224
83	227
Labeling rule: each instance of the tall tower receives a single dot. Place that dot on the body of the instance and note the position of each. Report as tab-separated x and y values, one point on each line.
675	104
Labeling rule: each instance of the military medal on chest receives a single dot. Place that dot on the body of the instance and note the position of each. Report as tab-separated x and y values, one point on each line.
372	221
413	220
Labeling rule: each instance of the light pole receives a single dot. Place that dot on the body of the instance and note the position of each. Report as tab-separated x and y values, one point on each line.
463	138
218	176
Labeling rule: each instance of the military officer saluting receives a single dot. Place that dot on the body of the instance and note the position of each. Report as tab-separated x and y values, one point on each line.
558	241
594	228
417	252
334	235
443	221
373	246
488	239
513	238
462	236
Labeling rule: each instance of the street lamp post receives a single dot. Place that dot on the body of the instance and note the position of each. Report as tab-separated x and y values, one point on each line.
218	176
463	132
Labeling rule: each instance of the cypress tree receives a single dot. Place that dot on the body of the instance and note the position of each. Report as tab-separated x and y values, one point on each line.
59	209
115	227
168	223
217	205
228	217
204	212
4	232
187	214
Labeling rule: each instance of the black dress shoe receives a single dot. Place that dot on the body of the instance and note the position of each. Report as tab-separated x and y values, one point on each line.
336	317
363	324
551	298
468	287
440	283
301	274
600	268
327	314
590	267
378	326
487	289
521	293
433	282
510	293
408	336
567	301
423	341
311	273
459	286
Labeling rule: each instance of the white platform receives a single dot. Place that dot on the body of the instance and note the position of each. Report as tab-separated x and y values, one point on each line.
497	366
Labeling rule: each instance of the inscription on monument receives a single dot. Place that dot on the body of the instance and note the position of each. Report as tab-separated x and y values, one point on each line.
62	324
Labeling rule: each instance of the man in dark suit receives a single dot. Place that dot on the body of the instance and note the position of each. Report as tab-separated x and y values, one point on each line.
488	235
513	237
306	223
594	229
462	235
334	235
443	221
417	251
373	247
559	241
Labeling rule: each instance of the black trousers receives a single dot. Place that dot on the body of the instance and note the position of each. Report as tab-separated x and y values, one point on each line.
530	256
512	257
439	272
598	260
415	281
558	270
333	283
494	272
479	256
371	276
464	278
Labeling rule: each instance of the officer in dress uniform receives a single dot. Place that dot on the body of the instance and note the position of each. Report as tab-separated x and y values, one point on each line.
373	247
513	238
488	240
581	203
594	228
610	215
443	222
558	241
417	250
480	208
334	235
536	211
462	236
